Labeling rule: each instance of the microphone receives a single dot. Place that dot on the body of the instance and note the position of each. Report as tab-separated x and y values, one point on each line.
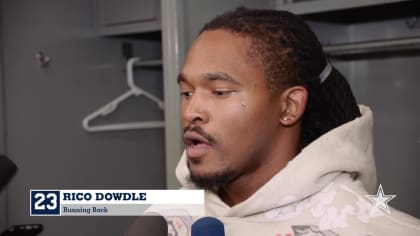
149	225
208	226
23	230
7	170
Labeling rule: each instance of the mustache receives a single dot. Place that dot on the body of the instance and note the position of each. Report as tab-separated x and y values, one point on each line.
201	132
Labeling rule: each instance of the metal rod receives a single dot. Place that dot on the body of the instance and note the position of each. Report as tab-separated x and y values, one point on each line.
148	63
373	46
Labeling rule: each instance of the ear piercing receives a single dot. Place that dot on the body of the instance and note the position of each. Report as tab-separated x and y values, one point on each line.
287	118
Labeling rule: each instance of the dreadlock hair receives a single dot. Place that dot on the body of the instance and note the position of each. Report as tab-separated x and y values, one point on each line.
291	55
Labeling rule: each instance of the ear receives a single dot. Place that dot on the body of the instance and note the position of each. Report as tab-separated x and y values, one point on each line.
293	104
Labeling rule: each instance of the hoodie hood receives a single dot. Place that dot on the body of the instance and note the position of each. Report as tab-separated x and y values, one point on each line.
345	150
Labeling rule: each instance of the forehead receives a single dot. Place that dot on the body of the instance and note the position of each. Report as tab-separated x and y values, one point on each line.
220	51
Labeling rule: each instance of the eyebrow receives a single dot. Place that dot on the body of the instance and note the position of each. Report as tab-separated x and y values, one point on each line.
181	78
213	76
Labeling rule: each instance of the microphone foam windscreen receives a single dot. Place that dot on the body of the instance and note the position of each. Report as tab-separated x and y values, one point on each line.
7	170
208	226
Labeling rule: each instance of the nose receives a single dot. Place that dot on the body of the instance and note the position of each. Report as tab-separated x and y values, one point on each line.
194	110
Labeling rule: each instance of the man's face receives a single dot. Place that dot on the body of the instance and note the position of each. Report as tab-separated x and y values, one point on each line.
228	115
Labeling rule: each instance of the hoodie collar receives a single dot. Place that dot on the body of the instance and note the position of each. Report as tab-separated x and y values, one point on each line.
345	149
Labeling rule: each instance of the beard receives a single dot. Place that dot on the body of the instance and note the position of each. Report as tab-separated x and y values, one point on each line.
212	181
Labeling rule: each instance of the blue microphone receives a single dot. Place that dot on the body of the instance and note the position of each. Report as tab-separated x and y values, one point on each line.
208	226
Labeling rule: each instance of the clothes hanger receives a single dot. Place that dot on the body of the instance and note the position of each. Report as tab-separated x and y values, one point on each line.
113	105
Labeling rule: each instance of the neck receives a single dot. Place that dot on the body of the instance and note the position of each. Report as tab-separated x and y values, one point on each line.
245	185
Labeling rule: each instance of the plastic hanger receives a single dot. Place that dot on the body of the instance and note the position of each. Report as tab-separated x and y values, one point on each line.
113	105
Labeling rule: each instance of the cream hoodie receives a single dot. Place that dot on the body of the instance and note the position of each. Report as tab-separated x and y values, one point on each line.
322	191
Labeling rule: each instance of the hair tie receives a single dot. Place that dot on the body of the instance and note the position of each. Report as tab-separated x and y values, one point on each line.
325	72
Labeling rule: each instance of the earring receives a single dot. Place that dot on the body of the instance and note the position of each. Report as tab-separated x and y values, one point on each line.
288	118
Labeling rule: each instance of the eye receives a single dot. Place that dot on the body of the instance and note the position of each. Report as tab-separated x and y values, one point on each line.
221	93
186	94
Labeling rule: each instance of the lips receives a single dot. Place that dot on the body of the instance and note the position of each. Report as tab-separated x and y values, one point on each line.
196	145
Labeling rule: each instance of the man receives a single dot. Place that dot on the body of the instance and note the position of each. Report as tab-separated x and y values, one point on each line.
274	135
